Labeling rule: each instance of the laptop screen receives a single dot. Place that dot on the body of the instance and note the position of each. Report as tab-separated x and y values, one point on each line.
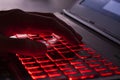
107	7
104	15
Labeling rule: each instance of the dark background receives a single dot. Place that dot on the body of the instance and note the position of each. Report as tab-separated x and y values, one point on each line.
37	5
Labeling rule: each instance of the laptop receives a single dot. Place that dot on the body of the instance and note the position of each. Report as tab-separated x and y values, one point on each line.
64	61
102	16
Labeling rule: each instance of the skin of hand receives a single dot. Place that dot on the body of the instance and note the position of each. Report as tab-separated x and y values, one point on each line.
16	21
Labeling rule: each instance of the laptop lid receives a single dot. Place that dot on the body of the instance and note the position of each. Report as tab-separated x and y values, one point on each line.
101	15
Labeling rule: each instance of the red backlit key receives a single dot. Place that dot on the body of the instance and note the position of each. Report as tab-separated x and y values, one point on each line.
39	75
42	59
28	60
76	61
51	69
107	63
22	36
62	77
66	67
58	43
70	55
94	64
117	71
102	59
77	66
75	47
54	73
85	70
96	55
31	65
100	68
63	49
106	73
71	71
113	67
62	63
76	76
55	56
60	46
24	57
35	69
83	54
88	75
47	64
88	60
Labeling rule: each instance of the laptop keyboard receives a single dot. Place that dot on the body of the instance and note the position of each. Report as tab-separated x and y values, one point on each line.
64	61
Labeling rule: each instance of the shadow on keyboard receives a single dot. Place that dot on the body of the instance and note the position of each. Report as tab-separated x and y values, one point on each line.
64	61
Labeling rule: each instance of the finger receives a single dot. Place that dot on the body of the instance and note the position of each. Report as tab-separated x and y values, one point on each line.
23	47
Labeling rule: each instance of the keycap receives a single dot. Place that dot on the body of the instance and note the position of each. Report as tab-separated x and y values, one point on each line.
96	55
71	71
62	63
66	67
47	64
63	49
85	70
74	76
75	47
24	57
28	60
39	75
88	75
42	59
60	46
35	69
62	77
76	61
88	60
117	71
100	68
113	67
51	68
58	43
77	66
107	62
31	65
55	56
54	73
94	64
106	73
22	36
70	55
83	54
33	35
102	59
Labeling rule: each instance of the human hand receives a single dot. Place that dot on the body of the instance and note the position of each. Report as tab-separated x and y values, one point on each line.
20	22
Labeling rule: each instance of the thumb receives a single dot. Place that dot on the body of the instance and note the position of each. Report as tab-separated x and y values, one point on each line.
23	46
